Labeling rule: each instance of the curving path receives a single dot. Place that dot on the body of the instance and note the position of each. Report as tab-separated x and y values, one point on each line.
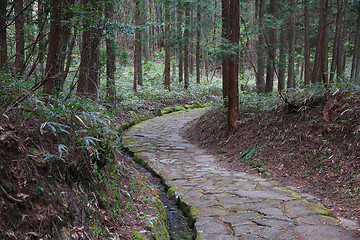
224	204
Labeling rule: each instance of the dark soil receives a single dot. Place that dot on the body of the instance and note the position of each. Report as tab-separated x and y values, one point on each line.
315	148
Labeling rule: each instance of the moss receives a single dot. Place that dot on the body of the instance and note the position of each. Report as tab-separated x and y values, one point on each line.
142	118
179	109
189	106
169	109
158	224
320	209
123	127
158	112
172	192
134	117
137	235
163	112
294	194
197	105
150	116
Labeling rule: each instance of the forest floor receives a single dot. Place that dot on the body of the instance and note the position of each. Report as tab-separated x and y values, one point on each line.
315	148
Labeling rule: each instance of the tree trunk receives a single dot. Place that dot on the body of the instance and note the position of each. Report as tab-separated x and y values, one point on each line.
20	36
54	42
291	49
3	33
271	49
186	45
282	58
225	46
319	73
233	109
307	44
137	49
180	41
260	81
198	38
231	30
89	65
355	66
146	45
167	44
110	55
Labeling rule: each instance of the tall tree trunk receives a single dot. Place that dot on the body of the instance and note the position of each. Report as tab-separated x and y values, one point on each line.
3	33
180	40
54	42
341	41
260	81
307	44
291	48
137	49
198	49
20	36
271	49
319	73
64	43
282	58
42	19
186	45
336	41
225	47
90	51
167	44
110	54
355	66
146	45
231	32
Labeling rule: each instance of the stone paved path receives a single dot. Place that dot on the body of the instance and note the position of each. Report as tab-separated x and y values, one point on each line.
224	204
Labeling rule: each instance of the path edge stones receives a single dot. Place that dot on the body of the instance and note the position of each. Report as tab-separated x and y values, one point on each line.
188	211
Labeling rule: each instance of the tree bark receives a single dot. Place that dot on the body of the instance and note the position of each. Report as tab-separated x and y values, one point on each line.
291	48
231	30
198	48
186	45
271	49
20	36
319	73
54	43
260	80
110	55
90	52
355	66
307	70
180	41
3	33
282	58
167	44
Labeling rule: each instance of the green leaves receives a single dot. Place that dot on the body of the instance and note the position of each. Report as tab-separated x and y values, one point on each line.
55	127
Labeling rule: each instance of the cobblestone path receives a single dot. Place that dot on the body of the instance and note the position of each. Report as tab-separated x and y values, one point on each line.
225	204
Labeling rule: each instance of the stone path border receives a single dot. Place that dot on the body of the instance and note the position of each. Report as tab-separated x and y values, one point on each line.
225	204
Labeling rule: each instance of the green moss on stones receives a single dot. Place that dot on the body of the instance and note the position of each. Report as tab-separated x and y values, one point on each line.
158	224
172	192
189	106
123	127
284	189
319	209
169	109
179	109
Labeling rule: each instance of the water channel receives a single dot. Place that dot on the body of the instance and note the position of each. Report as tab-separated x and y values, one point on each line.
178	224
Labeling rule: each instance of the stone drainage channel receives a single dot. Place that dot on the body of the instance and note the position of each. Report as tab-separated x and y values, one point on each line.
178	226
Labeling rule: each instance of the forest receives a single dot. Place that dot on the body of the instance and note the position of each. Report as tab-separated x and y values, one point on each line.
279	78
